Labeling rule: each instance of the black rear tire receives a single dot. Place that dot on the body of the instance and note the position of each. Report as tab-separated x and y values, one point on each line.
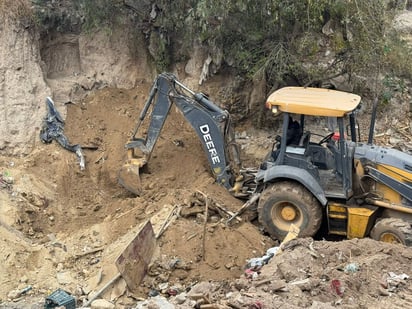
285	203
392	230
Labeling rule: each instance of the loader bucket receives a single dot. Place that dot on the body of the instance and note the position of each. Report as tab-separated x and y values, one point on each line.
129	176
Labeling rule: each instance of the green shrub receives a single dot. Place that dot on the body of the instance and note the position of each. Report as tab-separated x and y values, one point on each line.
281	39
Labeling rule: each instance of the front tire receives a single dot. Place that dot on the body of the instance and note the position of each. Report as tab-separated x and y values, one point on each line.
392	230
285	203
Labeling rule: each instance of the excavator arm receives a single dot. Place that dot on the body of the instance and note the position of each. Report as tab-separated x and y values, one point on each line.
210	122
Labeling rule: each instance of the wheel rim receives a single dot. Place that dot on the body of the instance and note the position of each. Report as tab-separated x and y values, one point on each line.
284	214
390	238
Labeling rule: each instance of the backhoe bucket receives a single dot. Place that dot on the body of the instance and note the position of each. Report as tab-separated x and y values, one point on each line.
129	176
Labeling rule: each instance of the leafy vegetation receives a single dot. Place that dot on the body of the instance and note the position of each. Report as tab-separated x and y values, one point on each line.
280	37
47	18
286	41
78	15
99	14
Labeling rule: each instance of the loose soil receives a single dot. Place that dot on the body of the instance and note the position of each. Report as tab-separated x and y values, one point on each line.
63	228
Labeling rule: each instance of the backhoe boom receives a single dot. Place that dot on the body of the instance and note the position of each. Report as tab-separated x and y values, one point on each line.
210	122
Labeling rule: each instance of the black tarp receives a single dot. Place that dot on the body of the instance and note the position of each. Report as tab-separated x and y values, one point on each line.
53	129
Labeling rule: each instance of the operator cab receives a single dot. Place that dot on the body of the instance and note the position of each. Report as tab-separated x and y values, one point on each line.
327	158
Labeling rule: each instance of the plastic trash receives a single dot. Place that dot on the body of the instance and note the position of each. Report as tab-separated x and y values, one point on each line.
257	263
272	251
60	298
400	277
251	274
337	287
351	268
392	280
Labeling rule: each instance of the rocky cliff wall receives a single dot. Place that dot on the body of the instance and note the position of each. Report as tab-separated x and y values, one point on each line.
22	89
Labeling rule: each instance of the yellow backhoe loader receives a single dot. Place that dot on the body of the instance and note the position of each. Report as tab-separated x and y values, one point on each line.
354	188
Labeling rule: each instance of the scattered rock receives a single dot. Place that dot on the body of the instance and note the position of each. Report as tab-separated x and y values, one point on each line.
157	302
202	288
64	277
14	294
383	291
102	304
181	298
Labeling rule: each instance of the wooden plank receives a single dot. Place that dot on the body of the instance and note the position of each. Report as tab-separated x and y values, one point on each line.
134	261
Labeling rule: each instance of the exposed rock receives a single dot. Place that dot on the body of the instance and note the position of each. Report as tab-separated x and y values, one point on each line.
22	90
63	66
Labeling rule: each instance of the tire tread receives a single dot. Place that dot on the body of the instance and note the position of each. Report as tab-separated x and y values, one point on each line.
294	189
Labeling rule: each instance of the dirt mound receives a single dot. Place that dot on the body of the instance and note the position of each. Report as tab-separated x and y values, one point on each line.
64	227
308	274
70	217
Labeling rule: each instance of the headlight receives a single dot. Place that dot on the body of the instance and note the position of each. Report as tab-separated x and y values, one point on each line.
275	109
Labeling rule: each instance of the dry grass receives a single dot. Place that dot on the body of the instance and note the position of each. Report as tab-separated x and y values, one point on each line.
15	11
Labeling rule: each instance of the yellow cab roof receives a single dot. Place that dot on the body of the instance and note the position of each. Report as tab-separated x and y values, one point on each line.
313	101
